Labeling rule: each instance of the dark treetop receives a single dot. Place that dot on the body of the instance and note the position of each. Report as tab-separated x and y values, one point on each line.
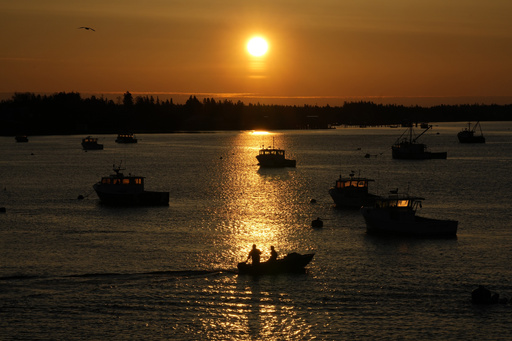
69	113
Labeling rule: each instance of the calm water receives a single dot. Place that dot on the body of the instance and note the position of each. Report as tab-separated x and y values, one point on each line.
72	269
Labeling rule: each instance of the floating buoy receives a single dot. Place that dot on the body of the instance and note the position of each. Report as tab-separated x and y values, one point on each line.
317	223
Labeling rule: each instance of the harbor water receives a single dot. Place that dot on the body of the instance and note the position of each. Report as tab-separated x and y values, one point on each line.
72	269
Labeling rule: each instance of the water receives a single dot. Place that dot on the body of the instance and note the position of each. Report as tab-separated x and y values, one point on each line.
73	269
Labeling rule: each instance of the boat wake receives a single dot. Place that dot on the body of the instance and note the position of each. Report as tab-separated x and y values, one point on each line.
171	275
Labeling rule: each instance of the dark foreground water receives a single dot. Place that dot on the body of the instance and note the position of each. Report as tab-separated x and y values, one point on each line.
73	269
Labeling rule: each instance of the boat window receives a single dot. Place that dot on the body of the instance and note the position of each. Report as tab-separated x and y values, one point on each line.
403	203
105	181
116	181
362	184
138	181
126	181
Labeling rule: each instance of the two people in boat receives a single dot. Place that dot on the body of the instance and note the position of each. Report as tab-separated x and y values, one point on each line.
256	253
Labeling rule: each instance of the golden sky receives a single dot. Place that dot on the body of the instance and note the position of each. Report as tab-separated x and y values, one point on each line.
322	48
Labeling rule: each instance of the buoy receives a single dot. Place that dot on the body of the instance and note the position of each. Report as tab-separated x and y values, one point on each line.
317	223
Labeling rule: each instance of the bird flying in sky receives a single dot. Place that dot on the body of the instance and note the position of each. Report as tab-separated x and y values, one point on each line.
87	28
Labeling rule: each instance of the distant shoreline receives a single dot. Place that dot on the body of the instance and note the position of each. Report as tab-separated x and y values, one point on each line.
248	98
71	113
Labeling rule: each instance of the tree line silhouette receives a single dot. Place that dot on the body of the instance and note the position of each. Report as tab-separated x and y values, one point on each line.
69	113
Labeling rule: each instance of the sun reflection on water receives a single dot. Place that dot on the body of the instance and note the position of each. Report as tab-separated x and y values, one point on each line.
258	206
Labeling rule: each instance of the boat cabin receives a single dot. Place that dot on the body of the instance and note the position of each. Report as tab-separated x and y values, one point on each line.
91	140
399	202
276	152
360	184
126	138
120	183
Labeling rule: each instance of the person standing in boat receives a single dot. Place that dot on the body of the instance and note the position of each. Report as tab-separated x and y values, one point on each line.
255	255
273	254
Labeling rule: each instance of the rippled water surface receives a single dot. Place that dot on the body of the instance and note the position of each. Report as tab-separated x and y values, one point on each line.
73	269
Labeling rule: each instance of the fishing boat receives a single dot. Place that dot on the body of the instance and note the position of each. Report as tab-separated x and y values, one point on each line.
352	192
406	147
467	135
21	138
274	157
126	138
291	263
120	190
91	143
396	214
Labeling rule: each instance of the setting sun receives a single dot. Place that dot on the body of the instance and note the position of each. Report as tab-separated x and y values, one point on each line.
257	46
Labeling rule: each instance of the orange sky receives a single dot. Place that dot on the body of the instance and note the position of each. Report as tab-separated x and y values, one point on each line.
318	49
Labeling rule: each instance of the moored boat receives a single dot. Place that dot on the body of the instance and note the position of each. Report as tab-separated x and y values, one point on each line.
467	135
126	138
291	263
274	157
91	143
396	214
352	192
21	138
407	148
120	190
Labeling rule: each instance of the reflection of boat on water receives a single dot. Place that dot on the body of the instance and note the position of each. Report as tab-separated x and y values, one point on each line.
118	189
126	138
291	263
396	214
352	192
91	143
467	135
274	157
408	148
21	138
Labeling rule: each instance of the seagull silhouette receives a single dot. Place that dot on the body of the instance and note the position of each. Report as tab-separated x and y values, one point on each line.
87	28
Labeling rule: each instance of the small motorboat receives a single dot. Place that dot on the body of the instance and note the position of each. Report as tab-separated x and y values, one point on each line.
21	138
352	192
291	263
121	190
468	135
407	148
274	158
91	143
126	138
397	215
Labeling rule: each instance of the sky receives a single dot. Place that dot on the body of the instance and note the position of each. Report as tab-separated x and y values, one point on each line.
322	51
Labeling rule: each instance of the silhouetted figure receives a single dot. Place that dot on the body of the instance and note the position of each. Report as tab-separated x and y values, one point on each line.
273	254
255	255
87	28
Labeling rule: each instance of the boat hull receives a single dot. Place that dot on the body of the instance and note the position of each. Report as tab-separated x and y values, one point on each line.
464	138
275	162
351	200
405	155
90	146
145	198
418	226
291	263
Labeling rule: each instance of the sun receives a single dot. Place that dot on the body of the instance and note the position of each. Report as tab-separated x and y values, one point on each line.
257	46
